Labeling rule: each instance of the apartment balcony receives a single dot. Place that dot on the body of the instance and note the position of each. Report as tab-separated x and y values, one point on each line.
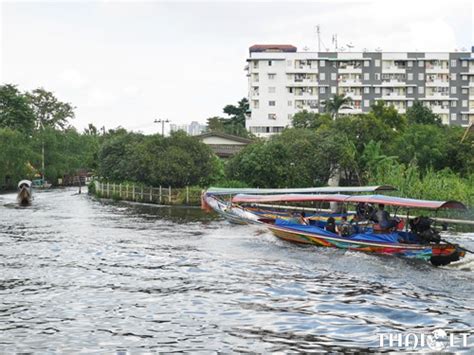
302	69
306	82
354	96
352	110
307	107
350	70
350	82
306	95
435	69
437	96
394	70
439	109
441	83
394	83
394	96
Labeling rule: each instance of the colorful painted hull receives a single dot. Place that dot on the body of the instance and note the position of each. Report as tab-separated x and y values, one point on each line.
437	254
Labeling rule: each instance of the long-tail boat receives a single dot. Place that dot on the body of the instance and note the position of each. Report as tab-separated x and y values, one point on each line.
220	200
24	193
421	241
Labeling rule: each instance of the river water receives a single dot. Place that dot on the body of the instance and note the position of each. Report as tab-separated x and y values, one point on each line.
83	275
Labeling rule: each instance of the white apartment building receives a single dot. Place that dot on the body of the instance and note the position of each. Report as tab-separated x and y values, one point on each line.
283	81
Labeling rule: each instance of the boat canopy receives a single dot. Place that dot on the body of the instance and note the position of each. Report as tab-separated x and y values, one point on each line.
305	190
241	198
405	202
373	199
23	183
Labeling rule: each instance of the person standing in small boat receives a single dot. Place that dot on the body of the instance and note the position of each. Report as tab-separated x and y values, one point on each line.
383	218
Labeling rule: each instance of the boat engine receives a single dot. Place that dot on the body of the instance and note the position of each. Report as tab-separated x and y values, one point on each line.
423	230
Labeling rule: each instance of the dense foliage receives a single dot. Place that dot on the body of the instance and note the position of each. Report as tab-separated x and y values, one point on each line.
178	160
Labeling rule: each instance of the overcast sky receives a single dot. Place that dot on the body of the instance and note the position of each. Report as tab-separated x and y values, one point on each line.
129	62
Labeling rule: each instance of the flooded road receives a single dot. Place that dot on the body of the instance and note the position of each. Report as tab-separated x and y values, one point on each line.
83	275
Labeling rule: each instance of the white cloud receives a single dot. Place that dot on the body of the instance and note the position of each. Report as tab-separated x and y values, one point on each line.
72	78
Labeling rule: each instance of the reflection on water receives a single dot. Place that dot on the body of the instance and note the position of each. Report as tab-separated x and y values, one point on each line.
84	275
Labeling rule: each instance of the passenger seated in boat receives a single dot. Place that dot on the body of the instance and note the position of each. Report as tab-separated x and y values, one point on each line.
345	229
303	220
331	225
383	218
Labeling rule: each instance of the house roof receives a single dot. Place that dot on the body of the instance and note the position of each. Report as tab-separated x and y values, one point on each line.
224	135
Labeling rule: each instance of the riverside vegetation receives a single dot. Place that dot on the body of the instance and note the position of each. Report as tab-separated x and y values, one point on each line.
411	151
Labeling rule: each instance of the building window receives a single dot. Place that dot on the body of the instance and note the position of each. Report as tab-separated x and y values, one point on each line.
464	77
421	90
271	76
366	76
366	103
377	62
272	116
410	90
453	63
322	76
421	76
333	76
464	117
410	76
410	63
464	103
453	90
290	116
322	63
333	89
453	117
453	76
269	63
271	89
377	76
453	103
465	91
464	63
271	103
410	103
366	90
421	63
377	90
322	90
366	63
256	104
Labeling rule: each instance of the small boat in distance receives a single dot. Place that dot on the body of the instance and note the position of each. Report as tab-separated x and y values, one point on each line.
24	193
41	184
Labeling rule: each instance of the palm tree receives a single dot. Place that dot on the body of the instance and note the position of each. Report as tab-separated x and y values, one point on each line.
337	102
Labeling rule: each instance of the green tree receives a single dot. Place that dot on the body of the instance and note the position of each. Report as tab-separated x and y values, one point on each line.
420	114
311	120
14	110
427	144
389	115
235	124
334	104
15	154
48	110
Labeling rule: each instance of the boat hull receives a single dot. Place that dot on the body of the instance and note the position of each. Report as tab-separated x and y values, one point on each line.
437	254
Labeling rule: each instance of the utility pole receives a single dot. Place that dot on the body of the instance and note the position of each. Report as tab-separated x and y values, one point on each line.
162	121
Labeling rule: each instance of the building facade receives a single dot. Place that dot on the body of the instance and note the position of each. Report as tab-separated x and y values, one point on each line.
283	81
193	129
